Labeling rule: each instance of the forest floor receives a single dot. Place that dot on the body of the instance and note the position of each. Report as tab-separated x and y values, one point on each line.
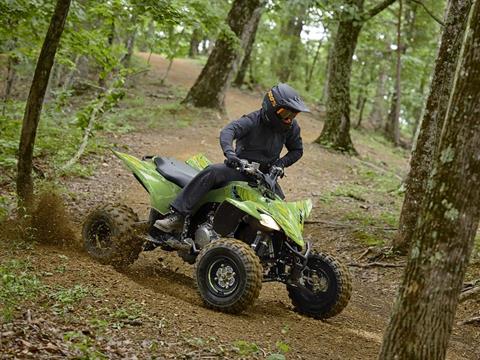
71	306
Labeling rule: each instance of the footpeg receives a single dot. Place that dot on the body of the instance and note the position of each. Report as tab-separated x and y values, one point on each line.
168	243
177	244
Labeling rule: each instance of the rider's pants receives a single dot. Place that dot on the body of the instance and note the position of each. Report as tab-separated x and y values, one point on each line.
213	176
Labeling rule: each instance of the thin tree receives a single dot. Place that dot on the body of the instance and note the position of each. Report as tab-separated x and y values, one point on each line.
12	63
327	69
210	87
288	49
443	239
34	105
130	41
377	112
434	114
194	42
242	70
312	67
392	128
336	130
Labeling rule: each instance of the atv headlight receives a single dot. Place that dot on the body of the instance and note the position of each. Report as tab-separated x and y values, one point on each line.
267	221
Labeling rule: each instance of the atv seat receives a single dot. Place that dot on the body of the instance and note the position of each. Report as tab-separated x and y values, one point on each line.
175	171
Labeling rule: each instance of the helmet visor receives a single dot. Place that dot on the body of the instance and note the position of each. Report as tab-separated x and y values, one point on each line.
286	115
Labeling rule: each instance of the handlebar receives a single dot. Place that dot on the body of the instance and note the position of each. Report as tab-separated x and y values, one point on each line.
253	169
248	168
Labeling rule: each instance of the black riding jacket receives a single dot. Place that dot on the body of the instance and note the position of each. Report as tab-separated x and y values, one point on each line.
257	141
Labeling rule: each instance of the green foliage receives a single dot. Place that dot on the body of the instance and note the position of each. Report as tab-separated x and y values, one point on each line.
166	27
376	54
17	284
132	312
83	345
4	206
99	324
476	247
390	218
350	190
282	346
65	299
246	348
363	218
276	356
367	238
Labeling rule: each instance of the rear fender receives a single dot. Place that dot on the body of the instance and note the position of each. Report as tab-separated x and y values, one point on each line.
162	192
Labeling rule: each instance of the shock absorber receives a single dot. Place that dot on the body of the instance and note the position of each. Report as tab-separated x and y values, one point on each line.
262	245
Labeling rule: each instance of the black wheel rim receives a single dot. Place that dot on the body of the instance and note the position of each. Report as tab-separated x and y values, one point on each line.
100	234
222	277
316	280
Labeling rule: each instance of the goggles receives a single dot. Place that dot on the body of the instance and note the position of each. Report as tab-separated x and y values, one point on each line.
286	115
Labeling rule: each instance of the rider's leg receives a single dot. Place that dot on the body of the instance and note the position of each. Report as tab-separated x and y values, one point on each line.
211	177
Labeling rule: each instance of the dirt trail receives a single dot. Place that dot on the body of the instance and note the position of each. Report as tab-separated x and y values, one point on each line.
165	283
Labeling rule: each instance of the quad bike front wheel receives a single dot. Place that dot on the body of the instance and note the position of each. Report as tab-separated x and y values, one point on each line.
325	287
228	275
109	236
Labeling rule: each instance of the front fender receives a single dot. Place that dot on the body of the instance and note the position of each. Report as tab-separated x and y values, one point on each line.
289	216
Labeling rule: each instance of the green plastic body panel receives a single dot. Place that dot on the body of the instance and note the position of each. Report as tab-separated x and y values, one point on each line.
198	162
162	192
290	216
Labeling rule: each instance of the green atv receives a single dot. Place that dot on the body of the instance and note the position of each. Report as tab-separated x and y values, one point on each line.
239	235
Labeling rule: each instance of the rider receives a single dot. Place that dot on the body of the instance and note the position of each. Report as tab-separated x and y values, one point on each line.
260	137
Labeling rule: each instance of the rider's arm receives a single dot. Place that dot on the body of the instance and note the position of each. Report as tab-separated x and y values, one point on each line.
294	146
235	130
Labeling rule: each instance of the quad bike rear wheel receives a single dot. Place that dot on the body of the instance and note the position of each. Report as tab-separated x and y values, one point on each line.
325	290
228	275
109	236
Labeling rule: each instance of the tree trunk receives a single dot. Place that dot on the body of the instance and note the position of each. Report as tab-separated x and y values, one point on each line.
287	56
194	43
360	111
102	79
424	152
71	74
363	84
35	102
378	112
252	79
391	122
52	81
242	71
327	69
392	128
443	239
210	87
417	112
167	72
130	42
336	130
312	67
11	74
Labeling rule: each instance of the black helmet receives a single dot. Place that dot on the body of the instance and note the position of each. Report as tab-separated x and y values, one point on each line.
280	106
